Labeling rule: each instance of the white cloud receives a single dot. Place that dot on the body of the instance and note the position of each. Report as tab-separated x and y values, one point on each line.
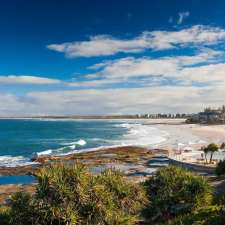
213	74
195	81
13	79
141	71
99	46
104	45
202	67
113	101
182	17
93	83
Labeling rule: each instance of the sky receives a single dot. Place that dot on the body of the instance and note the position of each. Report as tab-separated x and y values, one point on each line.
97	57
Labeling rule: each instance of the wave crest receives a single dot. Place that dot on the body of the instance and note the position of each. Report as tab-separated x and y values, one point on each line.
13	161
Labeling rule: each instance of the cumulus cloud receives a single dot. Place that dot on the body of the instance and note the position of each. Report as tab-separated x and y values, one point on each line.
113	101
182	16
169	83
213	74
13	79
104	45
202	67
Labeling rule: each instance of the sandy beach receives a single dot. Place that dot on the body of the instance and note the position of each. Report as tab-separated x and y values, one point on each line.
194	135
210	133
153	134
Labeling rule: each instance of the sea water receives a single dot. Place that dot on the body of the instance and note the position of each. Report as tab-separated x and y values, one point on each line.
21	139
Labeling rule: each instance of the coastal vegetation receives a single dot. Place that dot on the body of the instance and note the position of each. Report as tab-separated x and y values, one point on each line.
174	191
211	148
211	215
71	195
222	146
220	168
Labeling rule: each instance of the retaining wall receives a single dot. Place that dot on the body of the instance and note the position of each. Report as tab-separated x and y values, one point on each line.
192	166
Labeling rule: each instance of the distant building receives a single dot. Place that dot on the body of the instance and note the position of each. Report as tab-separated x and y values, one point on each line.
209	116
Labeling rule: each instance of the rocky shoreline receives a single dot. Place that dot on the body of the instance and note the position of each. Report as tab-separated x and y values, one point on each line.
133	161
126	154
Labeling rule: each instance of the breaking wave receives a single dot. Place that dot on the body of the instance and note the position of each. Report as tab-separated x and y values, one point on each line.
132	134
13	161
142	135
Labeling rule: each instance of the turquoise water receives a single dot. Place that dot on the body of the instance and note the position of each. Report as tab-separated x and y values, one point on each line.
20	139
24	179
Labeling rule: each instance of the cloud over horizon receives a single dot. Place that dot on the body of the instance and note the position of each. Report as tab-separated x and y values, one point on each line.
169	99
160	71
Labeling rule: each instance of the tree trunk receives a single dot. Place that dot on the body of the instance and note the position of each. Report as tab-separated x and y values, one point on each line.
211	156
206	158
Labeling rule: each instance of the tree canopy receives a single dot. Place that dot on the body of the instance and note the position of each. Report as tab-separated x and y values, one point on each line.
70	195
174	191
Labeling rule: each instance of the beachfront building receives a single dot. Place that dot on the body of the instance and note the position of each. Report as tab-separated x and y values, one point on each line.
209	116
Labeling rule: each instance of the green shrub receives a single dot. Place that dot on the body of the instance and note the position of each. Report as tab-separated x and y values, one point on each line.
70	195
4	216
174	191
222	146
219	199
220	168
212	215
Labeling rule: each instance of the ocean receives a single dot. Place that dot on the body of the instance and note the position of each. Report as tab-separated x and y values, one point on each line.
21	139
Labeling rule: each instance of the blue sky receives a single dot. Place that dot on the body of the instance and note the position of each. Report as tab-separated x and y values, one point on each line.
111	57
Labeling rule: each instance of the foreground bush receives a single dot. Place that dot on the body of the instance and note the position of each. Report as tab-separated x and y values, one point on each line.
4	216
220	168
174	191
69	195
213	215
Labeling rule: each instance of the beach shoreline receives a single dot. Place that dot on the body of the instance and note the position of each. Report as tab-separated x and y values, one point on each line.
133	161
177	133
98	157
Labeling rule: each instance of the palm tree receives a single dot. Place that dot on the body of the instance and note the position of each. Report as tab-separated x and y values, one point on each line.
212	148
223	108
206	151
222	145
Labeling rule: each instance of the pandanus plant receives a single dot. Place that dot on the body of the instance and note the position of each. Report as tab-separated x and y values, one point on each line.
71	195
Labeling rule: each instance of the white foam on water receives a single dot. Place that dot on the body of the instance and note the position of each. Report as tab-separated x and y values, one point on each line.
72	147
13	161
53	151
142	135
43	153
69	146
137	134
81	142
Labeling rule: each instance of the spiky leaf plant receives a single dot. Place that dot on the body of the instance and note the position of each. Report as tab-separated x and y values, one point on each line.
70	195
